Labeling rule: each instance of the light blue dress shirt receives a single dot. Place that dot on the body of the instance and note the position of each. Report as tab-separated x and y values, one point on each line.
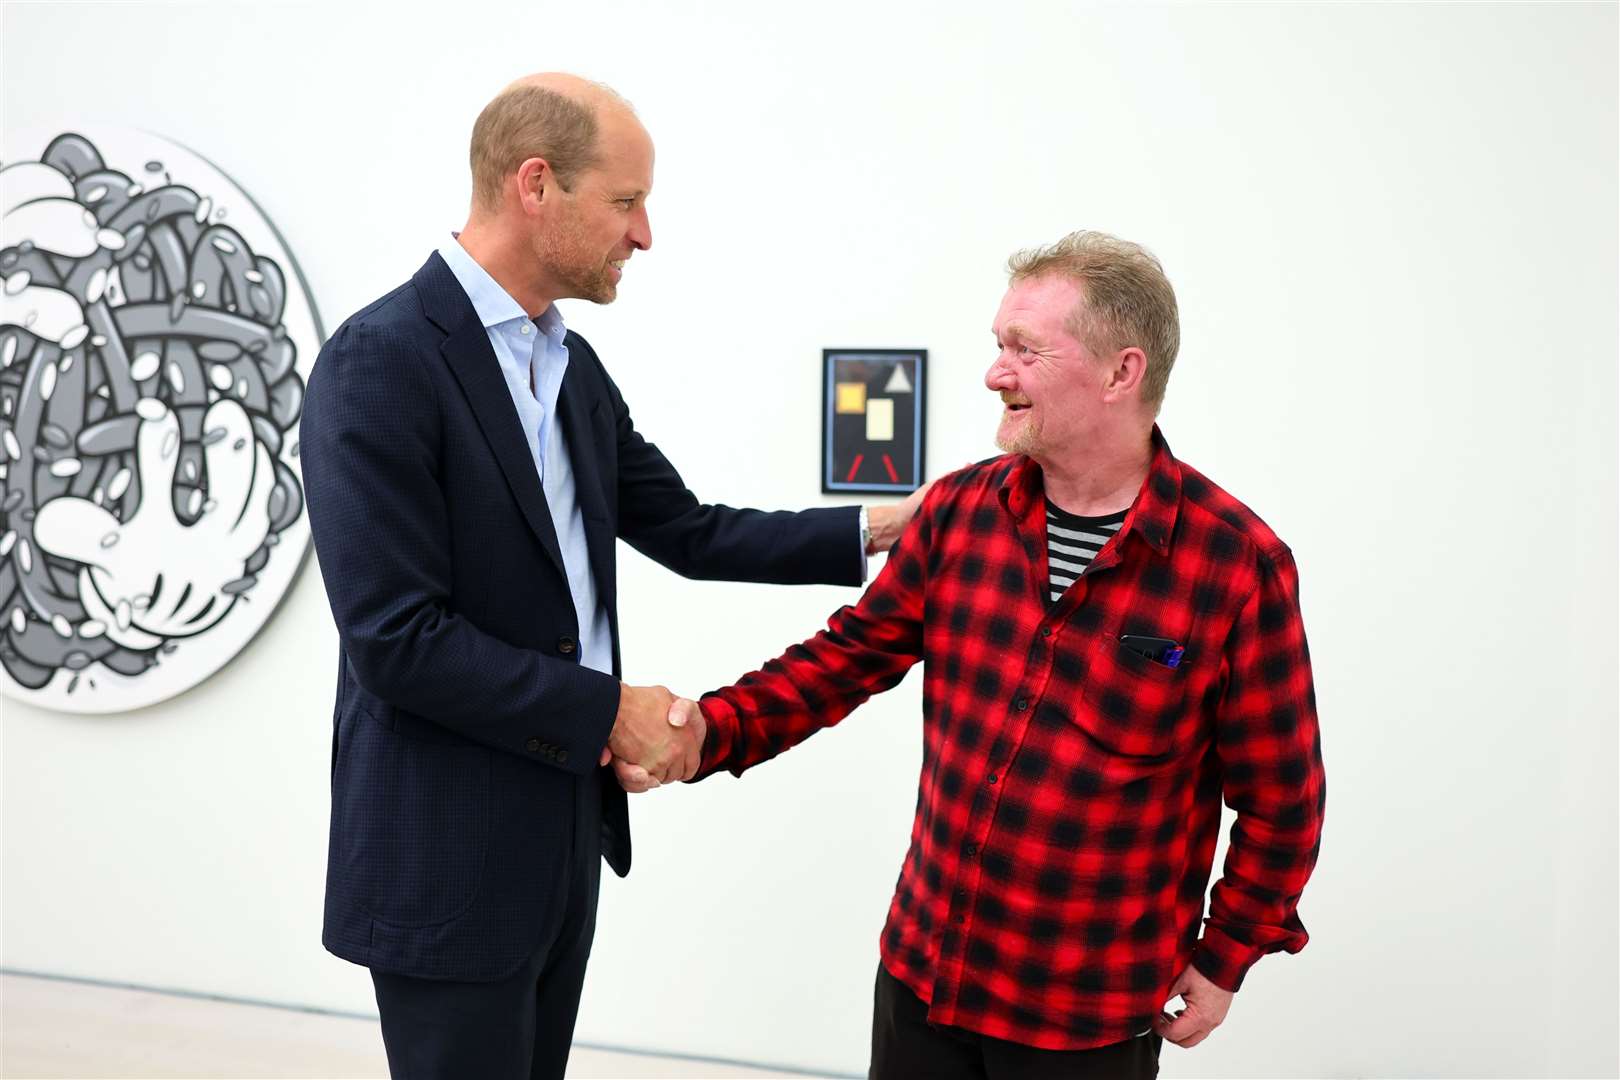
534	361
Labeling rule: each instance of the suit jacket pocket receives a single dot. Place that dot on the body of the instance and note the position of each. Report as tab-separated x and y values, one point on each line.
412	829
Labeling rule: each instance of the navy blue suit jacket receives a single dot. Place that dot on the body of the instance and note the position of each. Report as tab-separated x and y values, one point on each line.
463	714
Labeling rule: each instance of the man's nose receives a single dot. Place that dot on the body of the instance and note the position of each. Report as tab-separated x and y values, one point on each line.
1000	377
641	230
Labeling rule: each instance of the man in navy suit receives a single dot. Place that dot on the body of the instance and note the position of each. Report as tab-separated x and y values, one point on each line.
469	464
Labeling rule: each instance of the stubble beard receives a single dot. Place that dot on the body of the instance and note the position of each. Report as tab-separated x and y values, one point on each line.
595	284
573	268
1024	438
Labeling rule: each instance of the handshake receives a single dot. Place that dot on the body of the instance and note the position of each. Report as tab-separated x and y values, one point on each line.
657	738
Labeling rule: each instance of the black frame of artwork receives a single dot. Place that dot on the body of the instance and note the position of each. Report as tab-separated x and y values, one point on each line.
830	359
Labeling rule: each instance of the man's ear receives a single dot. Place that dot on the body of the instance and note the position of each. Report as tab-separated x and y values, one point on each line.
536	185
1126	370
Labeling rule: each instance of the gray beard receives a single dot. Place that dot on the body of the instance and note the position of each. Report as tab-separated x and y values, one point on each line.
1026	441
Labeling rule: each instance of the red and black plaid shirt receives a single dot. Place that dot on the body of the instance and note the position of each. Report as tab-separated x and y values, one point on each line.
1071	788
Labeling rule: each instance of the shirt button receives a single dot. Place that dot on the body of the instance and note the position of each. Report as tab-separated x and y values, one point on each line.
1021	704
566	645
961	920
524	329
1046	631
532	746
971	850
991	778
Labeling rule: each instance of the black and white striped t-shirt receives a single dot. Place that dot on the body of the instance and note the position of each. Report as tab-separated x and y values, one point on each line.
1072	542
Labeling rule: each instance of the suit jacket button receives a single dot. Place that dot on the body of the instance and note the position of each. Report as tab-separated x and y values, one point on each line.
532	745
566	646
562	757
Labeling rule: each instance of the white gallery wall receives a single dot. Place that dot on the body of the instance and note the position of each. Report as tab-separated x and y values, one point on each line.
1393	232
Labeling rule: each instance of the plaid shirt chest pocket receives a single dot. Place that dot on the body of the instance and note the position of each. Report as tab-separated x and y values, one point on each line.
1137	707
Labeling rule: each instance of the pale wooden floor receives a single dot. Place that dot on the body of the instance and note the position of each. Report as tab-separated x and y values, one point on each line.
60	1028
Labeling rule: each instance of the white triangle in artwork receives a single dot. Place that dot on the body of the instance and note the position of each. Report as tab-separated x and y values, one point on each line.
898	383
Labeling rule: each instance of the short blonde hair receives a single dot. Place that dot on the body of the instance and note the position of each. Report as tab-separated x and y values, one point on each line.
524	122
1125	299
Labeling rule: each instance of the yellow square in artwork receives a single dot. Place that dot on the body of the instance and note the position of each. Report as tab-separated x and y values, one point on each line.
851	397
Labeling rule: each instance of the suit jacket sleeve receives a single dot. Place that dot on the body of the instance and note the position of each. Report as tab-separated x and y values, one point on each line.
370	452
664	521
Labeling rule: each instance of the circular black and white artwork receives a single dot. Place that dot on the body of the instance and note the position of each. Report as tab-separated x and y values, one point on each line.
155	339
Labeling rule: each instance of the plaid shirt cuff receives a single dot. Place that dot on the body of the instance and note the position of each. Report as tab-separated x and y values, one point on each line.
1222	960
720	736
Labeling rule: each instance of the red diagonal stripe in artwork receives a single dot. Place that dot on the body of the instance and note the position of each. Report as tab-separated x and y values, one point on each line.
855	468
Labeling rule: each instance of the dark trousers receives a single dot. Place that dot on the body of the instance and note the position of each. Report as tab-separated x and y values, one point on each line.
905	1046
517	1028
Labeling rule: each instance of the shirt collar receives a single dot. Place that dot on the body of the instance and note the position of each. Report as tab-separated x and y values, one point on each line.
1152	516
550	322
494	305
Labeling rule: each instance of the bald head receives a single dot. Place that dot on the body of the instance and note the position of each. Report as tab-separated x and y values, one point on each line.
574	87
550	115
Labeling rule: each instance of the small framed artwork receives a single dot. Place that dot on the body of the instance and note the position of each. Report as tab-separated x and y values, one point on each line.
872	419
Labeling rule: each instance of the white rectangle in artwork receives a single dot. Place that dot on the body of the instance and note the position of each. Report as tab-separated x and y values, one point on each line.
880	419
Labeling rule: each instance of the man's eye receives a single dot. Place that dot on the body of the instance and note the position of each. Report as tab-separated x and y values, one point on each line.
627	203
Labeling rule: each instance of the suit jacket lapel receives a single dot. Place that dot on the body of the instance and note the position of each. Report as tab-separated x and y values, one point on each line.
574	407
472	360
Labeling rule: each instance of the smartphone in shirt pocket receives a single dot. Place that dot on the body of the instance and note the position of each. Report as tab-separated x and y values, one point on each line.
1136	705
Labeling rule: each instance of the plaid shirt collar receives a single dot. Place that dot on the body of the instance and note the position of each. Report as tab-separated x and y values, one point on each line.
1152	516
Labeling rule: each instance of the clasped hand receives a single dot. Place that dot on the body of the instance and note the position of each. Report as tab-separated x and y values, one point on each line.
657	738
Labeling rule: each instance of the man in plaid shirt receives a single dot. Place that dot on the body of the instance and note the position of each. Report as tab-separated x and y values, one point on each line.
1082	721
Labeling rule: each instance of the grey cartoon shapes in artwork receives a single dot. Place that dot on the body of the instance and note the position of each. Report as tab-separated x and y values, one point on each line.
147	388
